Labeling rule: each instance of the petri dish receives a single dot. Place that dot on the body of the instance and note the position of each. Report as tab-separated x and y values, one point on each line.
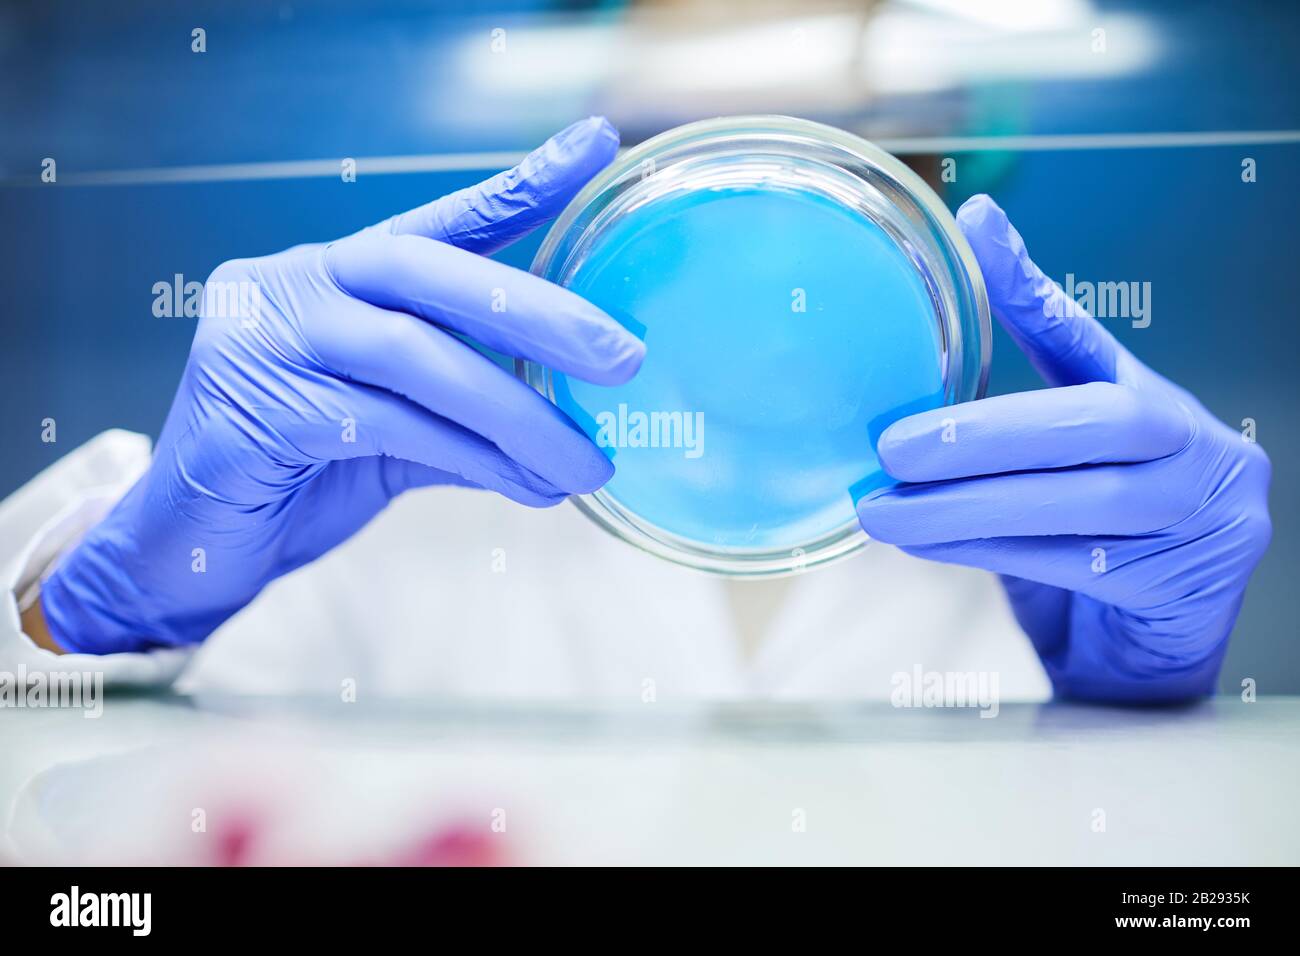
798	290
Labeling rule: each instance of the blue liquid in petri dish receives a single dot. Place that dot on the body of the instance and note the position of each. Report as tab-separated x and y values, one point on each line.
784	332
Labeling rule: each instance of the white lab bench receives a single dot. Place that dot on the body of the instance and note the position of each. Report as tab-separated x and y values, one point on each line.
328	781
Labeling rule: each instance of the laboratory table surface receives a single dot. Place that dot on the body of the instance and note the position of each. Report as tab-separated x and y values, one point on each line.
168	778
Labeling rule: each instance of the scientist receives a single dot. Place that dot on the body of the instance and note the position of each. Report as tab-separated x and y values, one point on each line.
1123	518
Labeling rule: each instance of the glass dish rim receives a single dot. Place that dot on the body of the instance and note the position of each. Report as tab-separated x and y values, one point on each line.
841	542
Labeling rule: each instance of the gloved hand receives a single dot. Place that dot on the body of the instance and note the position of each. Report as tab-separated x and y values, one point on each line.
298	420
1124	518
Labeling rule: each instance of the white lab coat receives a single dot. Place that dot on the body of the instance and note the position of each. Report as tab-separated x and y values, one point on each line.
460	593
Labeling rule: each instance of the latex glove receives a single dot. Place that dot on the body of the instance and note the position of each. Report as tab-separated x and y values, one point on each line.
290	432
1124	517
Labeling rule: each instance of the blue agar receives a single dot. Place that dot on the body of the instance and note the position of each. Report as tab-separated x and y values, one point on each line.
784	333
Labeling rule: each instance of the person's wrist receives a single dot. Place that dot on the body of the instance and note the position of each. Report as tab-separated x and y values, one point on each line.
74	610
99	599
1119	657
37	629
137	581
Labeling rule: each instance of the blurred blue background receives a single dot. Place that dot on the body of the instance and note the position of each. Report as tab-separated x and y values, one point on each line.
105	88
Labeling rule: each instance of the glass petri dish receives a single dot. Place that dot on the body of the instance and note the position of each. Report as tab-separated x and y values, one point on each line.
798	290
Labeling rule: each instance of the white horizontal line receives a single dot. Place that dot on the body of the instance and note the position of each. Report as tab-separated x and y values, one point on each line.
295	169
1079	141
468	162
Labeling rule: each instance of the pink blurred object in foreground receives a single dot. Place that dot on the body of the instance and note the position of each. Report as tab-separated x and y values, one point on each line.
453	845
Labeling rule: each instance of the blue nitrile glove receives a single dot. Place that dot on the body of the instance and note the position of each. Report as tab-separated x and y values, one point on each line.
1124	517
298	420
